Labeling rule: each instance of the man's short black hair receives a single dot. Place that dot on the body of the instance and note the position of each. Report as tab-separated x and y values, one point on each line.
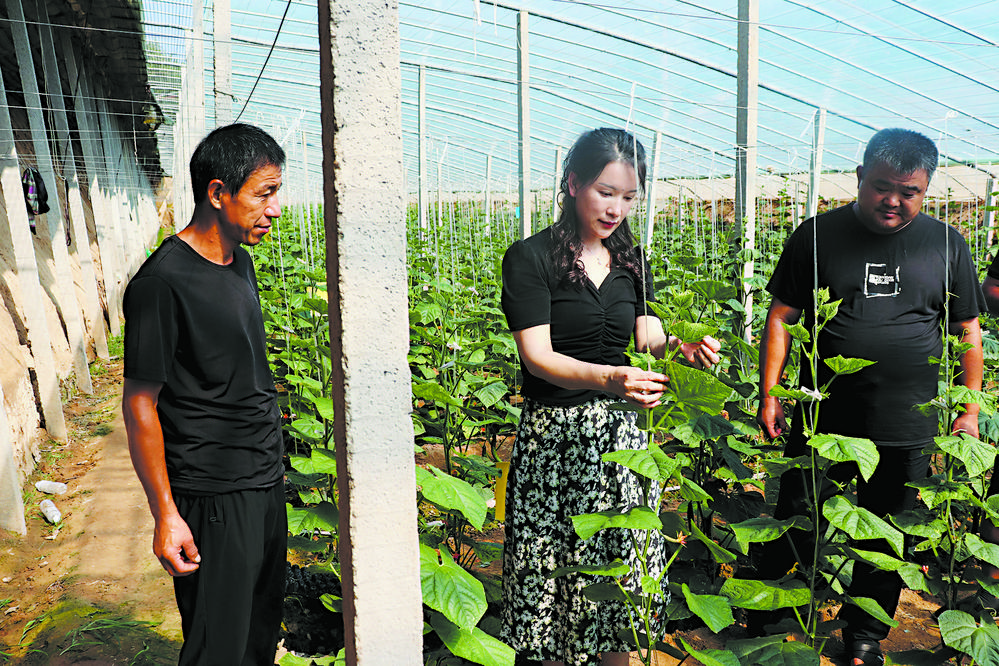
902	150
230	154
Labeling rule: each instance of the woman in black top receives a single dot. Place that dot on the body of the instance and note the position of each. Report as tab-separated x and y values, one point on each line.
573	295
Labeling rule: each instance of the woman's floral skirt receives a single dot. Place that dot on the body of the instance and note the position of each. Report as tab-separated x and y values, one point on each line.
556	472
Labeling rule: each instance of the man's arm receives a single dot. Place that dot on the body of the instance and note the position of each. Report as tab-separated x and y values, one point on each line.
774	349
971	372
991	290
173	543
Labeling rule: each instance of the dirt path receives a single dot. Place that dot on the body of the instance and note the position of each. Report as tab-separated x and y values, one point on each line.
89	592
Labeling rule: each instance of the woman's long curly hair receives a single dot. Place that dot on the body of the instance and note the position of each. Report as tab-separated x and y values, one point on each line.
587	158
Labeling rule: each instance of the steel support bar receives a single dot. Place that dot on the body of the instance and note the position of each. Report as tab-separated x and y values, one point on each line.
524	124
815	168
746	147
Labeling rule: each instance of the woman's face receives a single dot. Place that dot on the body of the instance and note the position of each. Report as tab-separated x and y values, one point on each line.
602	205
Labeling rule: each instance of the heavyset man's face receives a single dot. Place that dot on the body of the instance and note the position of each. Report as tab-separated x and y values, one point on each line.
887	200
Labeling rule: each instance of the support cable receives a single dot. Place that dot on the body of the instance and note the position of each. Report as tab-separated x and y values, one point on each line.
266	60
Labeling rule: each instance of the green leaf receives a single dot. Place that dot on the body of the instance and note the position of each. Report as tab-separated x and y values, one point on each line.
873	609
976	455
759	530
713	609
637	518
719	554
324	406
453	494
651	463
773	651
492	393
333	603
936	490
860	523
839	448
765	595
688	332
696	391
289	659
982	550
309	428
712	426
433	391
448	588
847	366
712	657
981	641
616	568
795	394
919	523
913	577
692	492
321	461
324	516
798	332
650	586
882	561
472	644
713	290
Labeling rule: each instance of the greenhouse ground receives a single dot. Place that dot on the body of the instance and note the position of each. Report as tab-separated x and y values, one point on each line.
91	592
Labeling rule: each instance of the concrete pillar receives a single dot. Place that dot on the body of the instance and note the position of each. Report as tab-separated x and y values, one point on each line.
93	163
815	168
365	220
16	233
746	146
93	313
222	29
524	123
55	229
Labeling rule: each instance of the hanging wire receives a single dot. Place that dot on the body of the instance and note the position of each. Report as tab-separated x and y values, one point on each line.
266	60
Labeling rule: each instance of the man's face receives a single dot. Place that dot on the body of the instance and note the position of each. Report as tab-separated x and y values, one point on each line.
886	200
246	217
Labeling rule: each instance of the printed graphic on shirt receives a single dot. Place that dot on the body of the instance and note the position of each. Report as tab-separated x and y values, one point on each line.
881	281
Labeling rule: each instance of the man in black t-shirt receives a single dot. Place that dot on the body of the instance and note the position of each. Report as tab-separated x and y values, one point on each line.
201	408
899	273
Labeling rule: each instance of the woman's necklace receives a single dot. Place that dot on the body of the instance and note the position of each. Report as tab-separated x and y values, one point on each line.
601	257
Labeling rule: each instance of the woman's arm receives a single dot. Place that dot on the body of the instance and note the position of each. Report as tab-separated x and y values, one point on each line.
637	386
649	336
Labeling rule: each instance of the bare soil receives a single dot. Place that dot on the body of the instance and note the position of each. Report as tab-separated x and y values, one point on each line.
89	590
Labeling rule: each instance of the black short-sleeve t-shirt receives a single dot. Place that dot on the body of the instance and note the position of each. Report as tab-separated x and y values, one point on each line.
895	294
196	327
592	324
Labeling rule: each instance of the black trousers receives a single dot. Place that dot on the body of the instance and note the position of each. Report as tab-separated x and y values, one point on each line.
231	607
885	493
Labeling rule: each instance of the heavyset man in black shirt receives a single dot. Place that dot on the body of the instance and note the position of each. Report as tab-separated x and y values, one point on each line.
201	411
897	271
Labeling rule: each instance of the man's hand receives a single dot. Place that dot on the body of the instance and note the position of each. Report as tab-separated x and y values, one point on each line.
966	423
173	545
770	417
